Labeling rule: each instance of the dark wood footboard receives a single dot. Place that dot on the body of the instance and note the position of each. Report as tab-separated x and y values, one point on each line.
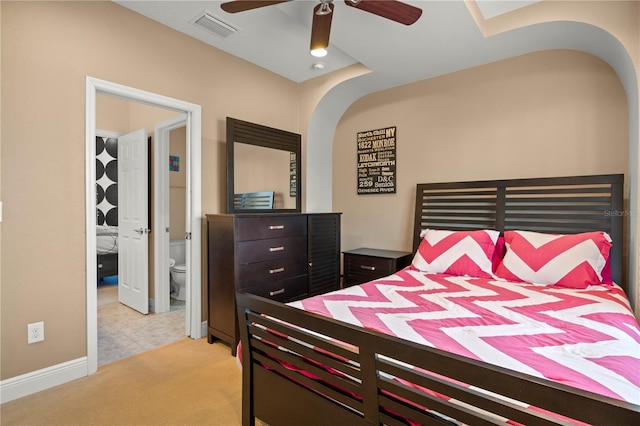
322	371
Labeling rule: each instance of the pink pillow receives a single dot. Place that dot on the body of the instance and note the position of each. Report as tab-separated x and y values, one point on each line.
462	253
574	261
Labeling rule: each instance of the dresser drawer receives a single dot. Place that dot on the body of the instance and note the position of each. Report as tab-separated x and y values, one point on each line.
363	268
282	291
362	265
257	228
272	248
250	274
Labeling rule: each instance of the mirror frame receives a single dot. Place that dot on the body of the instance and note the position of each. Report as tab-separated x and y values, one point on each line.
239	131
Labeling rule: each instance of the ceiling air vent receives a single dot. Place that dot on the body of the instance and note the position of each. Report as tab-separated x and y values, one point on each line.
214	24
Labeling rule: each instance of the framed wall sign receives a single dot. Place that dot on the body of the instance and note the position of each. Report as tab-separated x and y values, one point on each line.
293	175
376	158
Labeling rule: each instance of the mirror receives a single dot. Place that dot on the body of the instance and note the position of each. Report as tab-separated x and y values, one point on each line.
263	169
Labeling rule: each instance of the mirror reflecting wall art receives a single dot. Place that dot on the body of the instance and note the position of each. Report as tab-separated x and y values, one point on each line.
263	168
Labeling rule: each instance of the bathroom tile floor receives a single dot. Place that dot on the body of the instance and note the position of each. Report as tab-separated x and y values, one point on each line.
123	332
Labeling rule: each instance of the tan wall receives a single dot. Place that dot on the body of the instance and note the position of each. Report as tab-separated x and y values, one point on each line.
178	185
258	169
48	49
112	114
554	113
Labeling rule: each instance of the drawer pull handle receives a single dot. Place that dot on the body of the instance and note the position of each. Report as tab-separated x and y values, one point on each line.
277	292
276	271
272	249
368	268
273	227
99	265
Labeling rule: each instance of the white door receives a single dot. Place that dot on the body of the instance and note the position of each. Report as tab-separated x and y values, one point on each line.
161	210
133	226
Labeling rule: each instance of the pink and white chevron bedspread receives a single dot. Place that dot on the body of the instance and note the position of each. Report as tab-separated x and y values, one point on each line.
585	338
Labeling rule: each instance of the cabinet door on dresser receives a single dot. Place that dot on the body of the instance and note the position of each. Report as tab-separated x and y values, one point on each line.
323	252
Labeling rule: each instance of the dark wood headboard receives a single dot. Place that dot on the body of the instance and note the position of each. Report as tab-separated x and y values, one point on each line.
562	205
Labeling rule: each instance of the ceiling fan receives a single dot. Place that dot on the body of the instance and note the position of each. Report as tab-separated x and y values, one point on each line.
323	12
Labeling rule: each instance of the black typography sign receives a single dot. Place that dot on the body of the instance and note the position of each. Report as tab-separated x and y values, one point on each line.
377	161
293	177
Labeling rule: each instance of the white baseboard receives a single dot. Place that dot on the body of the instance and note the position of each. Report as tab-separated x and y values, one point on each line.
36	381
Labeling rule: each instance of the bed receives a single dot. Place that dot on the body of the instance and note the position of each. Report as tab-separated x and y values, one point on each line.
107	250
390	352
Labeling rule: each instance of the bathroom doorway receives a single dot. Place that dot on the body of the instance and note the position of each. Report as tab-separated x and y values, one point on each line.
191	114
158	318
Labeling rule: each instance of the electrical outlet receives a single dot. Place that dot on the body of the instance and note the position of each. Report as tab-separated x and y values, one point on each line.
35	332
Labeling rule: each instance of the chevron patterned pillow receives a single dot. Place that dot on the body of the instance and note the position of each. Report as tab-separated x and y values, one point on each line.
461	253
574	261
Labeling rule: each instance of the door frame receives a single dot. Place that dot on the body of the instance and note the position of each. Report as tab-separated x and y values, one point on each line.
93	87
161	219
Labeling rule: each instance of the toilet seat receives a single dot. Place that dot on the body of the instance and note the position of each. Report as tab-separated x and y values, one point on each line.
179	268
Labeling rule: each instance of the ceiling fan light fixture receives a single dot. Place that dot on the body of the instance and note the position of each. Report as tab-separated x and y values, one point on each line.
319	53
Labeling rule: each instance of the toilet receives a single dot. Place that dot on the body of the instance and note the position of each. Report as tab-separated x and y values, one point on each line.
177	269
178	280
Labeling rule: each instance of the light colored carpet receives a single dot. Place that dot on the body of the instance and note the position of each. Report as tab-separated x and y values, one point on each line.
189	382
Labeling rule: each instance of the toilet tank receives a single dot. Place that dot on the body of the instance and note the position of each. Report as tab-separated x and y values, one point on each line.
177	251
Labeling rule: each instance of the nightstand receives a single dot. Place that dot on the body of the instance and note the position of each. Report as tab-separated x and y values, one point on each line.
367	264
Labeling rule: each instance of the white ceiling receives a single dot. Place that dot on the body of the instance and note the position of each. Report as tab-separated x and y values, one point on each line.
277	37
445	39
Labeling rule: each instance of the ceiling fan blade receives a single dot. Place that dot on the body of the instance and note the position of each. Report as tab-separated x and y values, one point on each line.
320	28
243	5
391	9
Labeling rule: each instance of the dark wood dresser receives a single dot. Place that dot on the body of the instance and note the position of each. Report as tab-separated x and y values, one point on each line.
282	256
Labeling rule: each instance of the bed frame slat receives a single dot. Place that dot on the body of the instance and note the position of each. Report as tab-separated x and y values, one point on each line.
472	397
315	386
303	352
463	415
333	347
283	392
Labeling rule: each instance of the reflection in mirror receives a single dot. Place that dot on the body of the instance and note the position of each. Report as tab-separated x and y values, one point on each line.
259	169
262	159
